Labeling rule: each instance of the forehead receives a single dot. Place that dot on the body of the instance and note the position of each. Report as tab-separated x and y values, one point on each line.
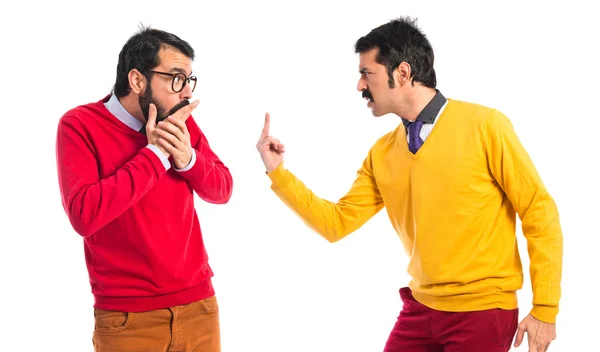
367	60
171	60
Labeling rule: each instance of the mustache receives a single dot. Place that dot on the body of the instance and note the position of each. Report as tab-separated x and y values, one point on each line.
367	94
173	110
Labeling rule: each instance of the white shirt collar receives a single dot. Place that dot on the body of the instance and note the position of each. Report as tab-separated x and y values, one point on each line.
113	105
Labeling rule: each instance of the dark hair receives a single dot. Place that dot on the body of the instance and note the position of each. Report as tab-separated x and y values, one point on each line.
141	52
400	40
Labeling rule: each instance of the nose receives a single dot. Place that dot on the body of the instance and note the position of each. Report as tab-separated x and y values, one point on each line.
186	92
362	85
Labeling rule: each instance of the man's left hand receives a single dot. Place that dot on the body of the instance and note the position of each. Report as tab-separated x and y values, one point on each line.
175	138
539	334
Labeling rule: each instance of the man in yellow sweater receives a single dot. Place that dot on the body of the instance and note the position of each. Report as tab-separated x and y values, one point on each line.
452	177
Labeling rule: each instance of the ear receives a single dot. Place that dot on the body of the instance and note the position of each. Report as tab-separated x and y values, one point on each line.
137	81
403	73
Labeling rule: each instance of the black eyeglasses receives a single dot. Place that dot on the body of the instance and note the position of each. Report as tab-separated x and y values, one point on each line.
179	80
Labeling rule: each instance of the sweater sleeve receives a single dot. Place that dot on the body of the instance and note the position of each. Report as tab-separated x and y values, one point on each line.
208	176
89	201
514	171
332	220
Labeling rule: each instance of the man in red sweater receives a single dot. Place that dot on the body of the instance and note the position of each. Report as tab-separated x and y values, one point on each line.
128	165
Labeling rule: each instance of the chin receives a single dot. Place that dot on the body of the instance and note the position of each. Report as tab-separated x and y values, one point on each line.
376	113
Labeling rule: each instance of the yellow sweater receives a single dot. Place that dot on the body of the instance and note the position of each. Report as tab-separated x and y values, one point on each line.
453	206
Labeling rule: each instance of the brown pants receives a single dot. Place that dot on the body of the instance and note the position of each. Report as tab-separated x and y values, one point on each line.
185	328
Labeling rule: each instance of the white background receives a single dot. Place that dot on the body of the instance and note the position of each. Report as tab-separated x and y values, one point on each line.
280	286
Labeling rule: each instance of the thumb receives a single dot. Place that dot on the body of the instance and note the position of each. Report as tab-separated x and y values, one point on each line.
520	335
151	116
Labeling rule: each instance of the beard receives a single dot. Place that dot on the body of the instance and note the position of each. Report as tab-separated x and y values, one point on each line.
161	112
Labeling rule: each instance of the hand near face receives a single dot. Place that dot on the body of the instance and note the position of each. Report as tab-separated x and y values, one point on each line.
171	135
151	128
270	149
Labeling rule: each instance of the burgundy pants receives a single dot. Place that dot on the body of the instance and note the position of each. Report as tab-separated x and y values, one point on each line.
422	329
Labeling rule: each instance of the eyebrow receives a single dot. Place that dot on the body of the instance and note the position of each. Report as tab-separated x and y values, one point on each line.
180	70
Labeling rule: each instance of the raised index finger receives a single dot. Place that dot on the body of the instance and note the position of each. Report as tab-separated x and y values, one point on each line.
265	131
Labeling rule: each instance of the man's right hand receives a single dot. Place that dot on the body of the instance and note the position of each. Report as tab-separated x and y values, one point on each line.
152	128
270	149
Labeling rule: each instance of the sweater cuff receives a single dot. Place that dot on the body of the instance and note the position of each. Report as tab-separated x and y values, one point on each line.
545	314
163	158
279	176
156	161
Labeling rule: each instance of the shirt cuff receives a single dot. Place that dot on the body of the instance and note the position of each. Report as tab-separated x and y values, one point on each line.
163	158
190	165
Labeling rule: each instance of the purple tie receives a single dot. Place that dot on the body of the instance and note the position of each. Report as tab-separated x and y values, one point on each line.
414	139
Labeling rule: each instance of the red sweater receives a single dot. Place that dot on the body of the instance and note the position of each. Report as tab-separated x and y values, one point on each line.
142	239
